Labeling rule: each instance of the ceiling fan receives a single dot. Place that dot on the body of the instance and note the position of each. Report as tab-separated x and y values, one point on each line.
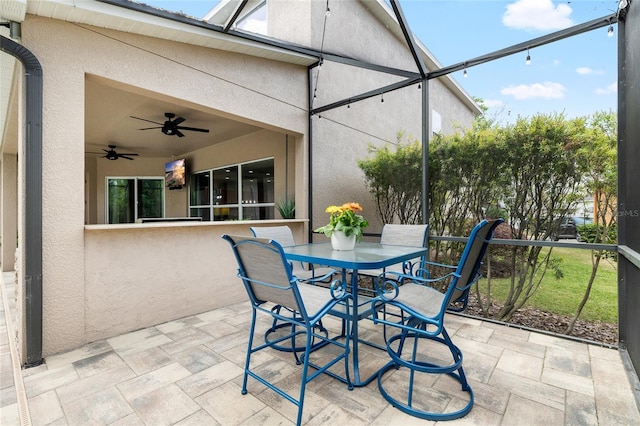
171	127
113	155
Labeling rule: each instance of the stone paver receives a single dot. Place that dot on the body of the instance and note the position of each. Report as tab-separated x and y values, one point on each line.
189	372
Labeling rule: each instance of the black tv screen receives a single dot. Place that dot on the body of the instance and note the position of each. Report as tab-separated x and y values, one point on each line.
175	173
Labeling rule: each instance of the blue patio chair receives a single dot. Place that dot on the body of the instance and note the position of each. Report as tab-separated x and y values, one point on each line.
284	237
313	275
404	235
268	279
421	316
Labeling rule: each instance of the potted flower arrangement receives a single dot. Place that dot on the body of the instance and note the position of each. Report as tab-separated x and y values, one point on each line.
345	225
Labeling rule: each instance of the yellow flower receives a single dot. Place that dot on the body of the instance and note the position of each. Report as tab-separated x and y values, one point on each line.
344	218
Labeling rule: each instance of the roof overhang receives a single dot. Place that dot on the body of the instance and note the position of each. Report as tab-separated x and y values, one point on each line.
225	9
145	20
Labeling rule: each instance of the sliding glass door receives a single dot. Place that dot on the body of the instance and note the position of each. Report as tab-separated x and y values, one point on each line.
129	199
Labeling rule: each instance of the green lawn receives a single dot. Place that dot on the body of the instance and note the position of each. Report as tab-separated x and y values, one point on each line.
563	295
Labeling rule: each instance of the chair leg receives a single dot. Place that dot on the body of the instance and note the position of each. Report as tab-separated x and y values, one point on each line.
247	361
279	323
416	367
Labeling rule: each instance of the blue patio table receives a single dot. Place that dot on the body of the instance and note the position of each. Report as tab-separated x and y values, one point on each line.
363	256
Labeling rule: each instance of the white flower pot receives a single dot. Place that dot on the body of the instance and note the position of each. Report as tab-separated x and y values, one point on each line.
339	241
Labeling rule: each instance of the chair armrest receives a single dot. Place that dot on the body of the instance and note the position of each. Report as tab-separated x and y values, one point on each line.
311	276
388	289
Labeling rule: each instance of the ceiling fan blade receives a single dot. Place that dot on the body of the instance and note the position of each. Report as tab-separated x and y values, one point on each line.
149	128
144	119
128	153
179	133
193	129
178	120
125	157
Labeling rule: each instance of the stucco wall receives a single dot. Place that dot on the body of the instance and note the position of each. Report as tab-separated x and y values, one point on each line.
455	114
144	274
8	210
343	135
350	30
67	53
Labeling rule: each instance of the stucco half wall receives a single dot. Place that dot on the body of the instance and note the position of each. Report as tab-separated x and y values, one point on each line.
141	275
68	53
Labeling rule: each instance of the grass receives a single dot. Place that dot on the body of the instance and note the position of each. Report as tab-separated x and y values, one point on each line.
563	295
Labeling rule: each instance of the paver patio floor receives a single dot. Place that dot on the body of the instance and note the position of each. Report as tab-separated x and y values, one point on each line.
189	372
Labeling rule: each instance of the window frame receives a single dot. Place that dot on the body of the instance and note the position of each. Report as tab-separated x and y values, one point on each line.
240	205
135	180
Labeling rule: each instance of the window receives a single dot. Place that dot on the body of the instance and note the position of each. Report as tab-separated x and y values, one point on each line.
255	21
129	199
436	122
237	192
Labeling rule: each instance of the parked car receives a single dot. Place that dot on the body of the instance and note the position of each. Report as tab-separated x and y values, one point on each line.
568	227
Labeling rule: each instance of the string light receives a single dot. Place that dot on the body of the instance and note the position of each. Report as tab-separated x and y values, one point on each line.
382	97
610	31
328	12
528	61
464	74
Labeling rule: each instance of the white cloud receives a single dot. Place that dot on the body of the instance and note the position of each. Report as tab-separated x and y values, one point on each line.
546	90
612	88
493	103
537	15
587	71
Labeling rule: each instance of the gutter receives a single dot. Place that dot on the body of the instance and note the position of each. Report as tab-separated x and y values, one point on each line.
32	240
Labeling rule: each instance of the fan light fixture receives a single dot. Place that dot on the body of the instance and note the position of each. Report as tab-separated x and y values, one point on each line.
111	154
171	127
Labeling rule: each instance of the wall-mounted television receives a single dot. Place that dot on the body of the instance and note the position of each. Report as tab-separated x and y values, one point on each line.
175	174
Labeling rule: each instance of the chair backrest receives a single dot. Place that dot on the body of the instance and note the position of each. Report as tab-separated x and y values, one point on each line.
470	262
265	272
281	234
404	235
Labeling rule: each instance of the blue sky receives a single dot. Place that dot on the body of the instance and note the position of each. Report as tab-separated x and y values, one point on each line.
575	76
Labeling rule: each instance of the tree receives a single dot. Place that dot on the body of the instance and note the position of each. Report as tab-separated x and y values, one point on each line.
541	154
394	177
466	178
599	155
532	172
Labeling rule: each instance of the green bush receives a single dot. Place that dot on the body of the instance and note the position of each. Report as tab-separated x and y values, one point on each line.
594	233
